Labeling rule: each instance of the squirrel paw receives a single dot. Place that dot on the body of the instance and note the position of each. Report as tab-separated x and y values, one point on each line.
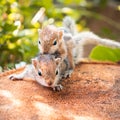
68	73
58	87
12	77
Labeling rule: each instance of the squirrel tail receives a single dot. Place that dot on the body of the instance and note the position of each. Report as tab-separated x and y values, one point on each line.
87	38
110	43
69	25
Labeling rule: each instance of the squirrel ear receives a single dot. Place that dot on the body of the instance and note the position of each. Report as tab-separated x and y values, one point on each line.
60	34
58	60
34	62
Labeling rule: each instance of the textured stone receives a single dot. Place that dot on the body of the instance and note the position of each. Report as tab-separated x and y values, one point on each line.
92	93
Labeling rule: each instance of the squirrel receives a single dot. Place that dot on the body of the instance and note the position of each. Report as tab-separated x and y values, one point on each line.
83	40
66	42
44	75
59	60
55	41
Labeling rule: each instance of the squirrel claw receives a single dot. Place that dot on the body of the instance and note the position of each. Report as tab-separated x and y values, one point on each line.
58	88
15	77
68	73
12	77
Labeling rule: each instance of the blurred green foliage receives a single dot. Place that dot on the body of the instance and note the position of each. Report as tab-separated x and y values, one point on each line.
18	35
103	53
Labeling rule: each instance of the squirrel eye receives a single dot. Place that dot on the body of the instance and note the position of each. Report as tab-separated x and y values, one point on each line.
39	42
55	42
56	72
39	73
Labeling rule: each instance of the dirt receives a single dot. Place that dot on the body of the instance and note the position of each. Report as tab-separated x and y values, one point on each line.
91	93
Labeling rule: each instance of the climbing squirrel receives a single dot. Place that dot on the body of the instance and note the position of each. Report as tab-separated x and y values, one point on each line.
57	41
44	75
85	41
67	43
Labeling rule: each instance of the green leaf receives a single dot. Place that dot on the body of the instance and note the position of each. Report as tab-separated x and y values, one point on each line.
8	27
105	54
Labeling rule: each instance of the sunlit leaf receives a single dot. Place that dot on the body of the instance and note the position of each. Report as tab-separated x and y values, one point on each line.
8	27
105	54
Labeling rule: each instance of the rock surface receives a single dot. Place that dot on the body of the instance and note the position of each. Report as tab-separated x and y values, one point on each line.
92	93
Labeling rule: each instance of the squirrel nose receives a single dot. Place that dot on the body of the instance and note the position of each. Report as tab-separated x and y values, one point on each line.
45	52
49	83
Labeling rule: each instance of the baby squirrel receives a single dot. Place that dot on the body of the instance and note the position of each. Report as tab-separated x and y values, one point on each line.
70	44
44	75
60	61
84	40
53	40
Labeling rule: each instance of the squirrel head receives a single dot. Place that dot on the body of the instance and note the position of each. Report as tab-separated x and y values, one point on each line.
49	39
46	69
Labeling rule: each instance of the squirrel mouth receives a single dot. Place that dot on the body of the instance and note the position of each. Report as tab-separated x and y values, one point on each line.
56	54
49	83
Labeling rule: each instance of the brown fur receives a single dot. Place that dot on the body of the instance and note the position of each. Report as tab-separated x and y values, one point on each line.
47	37
43	70
48	67
49	33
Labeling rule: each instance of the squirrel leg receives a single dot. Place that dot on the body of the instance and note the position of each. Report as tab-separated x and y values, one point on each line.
68	73
70	46
58	87
16	77
70	59
19	76
71	64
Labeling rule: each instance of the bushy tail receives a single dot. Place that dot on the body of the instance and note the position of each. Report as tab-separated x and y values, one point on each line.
86	38
109	43
69	25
